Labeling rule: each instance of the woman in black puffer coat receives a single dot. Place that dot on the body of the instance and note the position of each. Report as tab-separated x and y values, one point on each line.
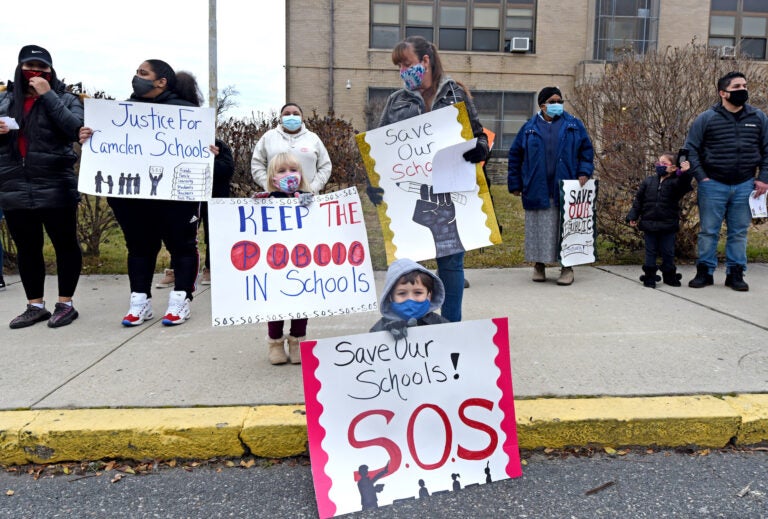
38	188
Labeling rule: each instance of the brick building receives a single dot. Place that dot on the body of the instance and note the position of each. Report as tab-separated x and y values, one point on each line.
504	51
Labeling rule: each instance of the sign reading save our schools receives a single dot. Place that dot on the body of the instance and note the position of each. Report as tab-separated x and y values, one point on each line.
578	219
147	150
417	222
274	259
390	420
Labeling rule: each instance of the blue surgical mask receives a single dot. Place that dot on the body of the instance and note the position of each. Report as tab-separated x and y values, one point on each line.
413	76
410	309
555	109
291	122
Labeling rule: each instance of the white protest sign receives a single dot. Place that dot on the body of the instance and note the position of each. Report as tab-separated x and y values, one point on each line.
578	218
274	259
147	150
417	222
390	420
450	172
757	205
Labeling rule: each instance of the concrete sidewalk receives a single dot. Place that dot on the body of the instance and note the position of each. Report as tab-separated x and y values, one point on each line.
670	366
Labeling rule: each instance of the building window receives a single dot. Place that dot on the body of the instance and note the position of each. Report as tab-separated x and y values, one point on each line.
739	25
477	25
625	26
504	113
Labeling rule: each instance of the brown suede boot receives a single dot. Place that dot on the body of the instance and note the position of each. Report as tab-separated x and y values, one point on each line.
294	351
277	351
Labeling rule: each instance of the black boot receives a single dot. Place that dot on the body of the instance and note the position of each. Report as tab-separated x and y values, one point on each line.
650	278
671	277
703	277
735	279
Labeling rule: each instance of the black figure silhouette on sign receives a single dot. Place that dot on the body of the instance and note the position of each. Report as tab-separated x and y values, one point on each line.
423	492
367	487
99	179
121	184
110	184
456	485
155	179
128	184
136	184
487	472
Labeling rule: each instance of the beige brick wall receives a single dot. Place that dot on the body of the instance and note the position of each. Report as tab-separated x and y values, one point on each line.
564	41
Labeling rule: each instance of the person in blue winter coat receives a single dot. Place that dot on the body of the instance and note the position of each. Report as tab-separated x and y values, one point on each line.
656	212
552	146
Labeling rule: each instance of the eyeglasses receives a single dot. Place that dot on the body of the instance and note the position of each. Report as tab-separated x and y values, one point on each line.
555	102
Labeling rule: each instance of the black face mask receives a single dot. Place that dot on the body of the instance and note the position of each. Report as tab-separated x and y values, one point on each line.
738	97
141	86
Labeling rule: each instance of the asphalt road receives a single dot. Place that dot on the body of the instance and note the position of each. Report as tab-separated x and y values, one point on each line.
709	484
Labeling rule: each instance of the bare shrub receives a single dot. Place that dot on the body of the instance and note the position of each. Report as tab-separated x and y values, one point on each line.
642	106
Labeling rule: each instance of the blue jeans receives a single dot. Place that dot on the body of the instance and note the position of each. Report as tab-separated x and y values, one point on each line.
450	270
718	202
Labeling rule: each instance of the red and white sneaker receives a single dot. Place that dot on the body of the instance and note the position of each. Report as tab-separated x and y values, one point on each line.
178	308
140	311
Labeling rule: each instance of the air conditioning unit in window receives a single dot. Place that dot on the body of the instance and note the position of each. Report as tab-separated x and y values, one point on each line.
520	45
727	52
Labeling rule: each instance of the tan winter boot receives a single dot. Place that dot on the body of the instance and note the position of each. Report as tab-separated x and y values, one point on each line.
277	351
294	352
566	276
539	272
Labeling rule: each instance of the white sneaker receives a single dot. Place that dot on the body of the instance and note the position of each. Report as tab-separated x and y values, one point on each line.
140	311
178	308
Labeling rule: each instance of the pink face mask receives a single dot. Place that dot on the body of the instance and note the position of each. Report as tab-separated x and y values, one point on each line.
288	181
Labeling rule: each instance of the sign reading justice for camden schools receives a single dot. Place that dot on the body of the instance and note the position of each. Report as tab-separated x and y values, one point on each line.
405	419
147	150
273	259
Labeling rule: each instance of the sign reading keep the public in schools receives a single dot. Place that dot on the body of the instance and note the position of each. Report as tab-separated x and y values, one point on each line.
578	222
274	259
418	223
392	420
147	150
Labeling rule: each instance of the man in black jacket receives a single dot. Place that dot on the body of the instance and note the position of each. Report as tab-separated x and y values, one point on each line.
727	145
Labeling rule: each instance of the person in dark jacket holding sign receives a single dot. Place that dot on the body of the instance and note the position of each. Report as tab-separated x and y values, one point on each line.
38	188
147	224
552	146
429	88
728	145
656	212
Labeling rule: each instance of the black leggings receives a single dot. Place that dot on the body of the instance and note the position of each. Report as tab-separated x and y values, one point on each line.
146	225
26	228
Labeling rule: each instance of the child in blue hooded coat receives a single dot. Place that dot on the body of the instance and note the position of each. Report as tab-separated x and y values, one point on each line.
411	295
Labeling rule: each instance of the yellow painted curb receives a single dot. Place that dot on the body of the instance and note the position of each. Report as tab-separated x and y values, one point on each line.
11	422
754	418
276	431
703	421
63	435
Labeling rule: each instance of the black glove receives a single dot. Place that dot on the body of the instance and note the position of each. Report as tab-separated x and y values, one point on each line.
375	194
478	154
